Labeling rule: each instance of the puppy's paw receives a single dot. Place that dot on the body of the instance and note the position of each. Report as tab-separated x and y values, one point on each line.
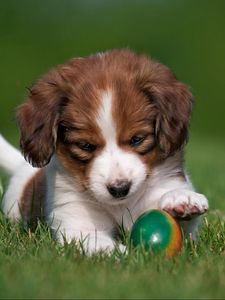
184	204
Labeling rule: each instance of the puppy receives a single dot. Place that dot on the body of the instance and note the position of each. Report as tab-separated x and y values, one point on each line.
104	136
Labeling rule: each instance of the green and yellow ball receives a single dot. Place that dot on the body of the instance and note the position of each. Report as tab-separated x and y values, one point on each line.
158	232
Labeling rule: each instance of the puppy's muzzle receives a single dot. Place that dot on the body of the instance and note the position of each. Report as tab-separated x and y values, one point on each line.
119	189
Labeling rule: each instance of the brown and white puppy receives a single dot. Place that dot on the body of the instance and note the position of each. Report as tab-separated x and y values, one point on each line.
105	137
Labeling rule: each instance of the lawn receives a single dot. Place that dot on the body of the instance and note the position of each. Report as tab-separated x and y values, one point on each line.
34	266
186	35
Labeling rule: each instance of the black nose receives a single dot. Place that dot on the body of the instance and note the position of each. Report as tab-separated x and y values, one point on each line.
119	189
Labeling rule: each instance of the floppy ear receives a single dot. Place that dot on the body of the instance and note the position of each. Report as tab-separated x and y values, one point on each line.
173	103
38	118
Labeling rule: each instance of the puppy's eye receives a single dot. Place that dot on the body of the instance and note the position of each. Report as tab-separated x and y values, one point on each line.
136	140
86	146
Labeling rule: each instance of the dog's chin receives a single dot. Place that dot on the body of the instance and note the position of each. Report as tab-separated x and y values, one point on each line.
117	201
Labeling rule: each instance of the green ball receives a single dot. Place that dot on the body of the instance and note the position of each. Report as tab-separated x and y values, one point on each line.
158	232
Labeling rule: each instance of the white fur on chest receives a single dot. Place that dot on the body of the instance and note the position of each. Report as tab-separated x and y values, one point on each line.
70	210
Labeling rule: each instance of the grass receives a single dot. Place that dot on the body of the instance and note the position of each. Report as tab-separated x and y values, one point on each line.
34	266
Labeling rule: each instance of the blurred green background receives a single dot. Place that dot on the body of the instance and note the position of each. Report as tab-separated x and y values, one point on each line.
188	36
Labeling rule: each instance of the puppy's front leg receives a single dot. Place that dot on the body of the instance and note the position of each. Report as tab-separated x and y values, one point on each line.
90	227
184	203
186	206
170	189
89	241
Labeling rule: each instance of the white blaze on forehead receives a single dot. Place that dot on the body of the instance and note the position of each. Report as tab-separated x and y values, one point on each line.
113	163
105	120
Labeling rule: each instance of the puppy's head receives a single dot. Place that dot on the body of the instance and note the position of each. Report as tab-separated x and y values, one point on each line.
109	118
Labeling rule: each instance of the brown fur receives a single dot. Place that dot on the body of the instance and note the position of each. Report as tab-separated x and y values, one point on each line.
32	205
62	107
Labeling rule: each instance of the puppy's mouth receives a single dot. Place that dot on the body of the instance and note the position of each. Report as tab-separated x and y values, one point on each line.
117	201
